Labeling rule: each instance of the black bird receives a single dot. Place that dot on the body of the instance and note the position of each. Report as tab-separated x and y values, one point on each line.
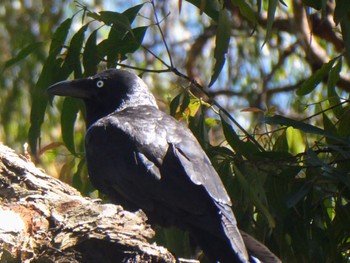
143	158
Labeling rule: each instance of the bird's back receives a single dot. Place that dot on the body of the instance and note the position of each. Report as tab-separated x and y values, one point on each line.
143	158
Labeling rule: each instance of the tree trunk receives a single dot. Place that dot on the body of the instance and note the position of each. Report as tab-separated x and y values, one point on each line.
42	218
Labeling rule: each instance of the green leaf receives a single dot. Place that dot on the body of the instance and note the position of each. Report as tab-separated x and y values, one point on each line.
345	28
72	61
59	37
77	181
110	18
132	40
341	10
39	100
281	143
245	10
50	74
174	104
210	122
132	12
253	195
211	8
185	102
330	128
333	97
109	47
222	41
120	43
344	124
26	51
307	128
90	55
311	83
247	149
69	115
198	128
271	10
176	240
298	195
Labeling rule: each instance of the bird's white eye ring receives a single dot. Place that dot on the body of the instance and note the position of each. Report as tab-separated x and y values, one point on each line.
100	84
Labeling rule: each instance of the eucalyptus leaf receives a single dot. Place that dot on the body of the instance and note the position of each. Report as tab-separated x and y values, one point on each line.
222	41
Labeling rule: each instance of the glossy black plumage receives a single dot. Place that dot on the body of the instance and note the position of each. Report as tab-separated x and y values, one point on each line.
143	158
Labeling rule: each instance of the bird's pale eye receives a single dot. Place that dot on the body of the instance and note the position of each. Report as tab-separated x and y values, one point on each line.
100	84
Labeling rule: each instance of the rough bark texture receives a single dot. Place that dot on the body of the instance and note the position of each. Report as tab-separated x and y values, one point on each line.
43	219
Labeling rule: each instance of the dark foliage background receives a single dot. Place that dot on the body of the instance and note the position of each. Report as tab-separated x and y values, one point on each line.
262	84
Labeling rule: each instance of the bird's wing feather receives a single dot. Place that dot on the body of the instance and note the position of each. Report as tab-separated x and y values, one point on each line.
157	141
164	136
200	170
162	131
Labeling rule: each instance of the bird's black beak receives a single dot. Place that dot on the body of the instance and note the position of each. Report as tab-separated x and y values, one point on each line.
80	88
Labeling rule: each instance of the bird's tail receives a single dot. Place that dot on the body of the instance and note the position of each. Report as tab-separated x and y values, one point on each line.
258	250
229	224
242	243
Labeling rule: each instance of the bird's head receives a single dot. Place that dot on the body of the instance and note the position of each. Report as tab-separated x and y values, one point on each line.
106	92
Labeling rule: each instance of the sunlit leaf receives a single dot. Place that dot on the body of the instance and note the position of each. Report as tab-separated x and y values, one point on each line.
307	128
222	41
296	141
210	122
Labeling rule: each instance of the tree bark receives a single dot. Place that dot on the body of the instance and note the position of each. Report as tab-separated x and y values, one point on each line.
42	218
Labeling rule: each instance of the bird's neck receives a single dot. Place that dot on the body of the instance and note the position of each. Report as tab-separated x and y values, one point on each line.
141	99
94	111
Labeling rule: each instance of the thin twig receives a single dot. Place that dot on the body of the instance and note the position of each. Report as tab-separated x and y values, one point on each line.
161	33
157	57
